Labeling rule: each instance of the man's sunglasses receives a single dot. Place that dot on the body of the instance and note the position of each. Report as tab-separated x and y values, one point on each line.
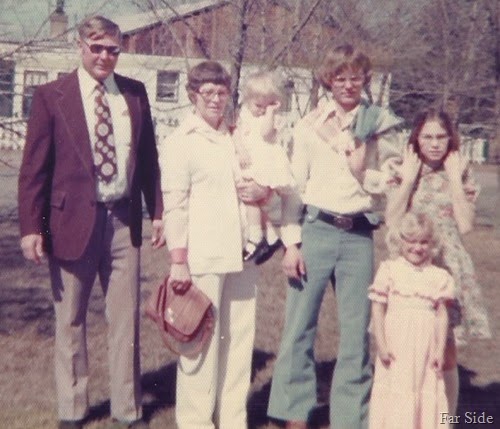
97	48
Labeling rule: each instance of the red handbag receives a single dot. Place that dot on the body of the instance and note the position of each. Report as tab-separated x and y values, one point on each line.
185	320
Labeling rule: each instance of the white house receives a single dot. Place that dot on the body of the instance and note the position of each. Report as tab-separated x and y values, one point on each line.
23	67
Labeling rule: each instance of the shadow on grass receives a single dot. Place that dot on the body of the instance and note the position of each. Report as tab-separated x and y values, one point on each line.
259	400
21	307
476	403
11	256
158	388
260	359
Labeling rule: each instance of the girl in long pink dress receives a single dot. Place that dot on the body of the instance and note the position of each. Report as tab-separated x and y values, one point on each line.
433	178
410	323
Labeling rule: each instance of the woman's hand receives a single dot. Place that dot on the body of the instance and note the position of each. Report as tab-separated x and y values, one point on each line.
180	277
293	263
437	362
157	234
455	165
411	165
250	192
463	205
386	357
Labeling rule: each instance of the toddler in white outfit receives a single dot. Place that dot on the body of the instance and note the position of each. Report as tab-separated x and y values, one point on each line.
262	158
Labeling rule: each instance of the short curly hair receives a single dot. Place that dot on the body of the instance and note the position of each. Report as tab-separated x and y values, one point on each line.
342	58
413	225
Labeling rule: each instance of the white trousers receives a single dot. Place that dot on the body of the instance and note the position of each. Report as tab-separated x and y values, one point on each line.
212	389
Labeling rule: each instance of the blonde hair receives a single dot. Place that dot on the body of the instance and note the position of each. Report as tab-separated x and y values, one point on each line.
413	226
262	83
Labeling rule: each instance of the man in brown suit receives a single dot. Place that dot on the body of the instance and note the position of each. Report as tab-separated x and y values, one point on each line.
90	155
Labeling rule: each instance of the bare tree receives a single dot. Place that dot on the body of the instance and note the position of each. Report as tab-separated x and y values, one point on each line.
493	10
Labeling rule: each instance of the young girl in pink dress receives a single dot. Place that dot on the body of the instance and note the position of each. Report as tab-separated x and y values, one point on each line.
410	322
433	178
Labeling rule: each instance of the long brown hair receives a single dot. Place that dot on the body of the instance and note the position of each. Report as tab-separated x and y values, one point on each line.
444	120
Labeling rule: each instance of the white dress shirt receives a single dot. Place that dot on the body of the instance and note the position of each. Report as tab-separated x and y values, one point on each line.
202	211
118	187
322	173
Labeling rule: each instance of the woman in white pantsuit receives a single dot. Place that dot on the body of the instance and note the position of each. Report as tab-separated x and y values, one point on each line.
204	234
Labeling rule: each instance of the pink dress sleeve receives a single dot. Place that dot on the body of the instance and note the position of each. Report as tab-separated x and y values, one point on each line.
446	289
379	290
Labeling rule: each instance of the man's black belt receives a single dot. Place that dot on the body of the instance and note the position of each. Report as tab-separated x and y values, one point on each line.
347	223
116	204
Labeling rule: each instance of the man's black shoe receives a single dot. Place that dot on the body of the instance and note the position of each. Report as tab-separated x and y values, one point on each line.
263	254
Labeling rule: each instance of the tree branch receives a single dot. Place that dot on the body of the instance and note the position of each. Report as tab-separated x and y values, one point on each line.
296	32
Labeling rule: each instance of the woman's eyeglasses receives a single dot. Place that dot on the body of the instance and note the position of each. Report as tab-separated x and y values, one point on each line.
97	48
428	138
209	95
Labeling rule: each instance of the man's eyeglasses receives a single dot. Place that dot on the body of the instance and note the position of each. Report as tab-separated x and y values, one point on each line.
354	80
97	48
211	94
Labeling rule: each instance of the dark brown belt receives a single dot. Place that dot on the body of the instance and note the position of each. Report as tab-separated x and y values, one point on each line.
346	222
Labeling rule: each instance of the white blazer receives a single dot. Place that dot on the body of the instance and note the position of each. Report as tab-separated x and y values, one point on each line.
202	211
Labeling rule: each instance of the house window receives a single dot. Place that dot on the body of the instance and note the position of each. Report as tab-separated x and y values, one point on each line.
167	85
288	91
32	79
6	88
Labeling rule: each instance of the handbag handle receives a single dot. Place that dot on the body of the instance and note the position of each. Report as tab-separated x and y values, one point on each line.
156	312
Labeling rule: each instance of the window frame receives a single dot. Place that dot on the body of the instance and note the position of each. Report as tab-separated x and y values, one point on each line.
167	91
31	80
7	92
288	92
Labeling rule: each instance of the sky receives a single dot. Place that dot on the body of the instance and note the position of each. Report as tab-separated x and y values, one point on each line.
21	20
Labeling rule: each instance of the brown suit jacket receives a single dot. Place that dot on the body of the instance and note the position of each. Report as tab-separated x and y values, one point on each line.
57	196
